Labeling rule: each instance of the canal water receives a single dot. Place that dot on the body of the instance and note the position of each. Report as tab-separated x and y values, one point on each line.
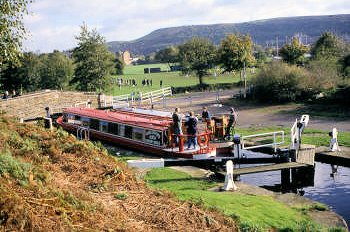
330	185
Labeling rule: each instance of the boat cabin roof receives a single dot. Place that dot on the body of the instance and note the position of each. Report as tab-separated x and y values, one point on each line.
136	118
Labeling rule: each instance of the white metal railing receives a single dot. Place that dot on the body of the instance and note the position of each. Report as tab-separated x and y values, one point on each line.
83	133
276	140
152	96
294	136
156	95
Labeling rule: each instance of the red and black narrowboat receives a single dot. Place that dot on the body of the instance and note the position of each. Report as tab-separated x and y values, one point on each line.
148	131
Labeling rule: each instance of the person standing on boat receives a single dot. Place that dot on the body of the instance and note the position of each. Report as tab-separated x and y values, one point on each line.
231	122
205	114
192	130
177	121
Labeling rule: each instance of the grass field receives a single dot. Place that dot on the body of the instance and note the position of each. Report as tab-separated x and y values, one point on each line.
169	79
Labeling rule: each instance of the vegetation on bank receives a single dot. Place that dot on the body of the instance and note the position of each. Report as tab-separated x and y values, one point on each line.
252	212
50	181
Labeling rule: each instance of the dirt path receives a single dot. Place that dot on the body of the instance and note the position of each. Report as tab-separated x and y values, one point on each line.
258	116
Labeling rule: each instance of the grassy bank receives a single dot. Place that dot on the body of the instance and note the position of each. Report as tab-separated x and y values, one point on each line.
253	212
50	181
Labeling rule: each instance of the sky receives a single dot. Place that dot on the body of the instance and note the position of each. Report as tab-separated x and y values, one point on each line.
53	24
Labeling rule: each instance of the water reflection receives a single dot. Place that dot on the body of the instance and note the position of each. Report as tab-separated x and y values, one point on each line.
330	185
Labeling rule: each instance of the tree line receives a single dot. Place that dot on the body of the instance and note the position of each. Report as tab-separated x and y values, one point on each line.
90	66
299	73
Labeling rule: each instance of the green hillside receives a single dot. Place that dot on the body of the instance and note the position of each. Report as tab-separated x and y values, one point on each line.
261	31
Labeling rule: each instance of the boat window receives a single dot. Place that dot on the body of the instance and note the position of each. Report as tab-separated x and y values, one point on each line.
128	132
138	134
94	124
70	116
113	128
85	121
103	126
121	130
153	137
72	119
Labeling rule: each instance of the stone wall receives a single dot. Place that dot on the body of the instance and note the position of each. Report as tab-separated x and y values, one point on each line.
33	105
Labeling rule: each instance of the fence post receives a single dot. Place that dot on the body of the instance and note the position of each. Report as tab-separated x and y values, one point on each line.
164	103
274	142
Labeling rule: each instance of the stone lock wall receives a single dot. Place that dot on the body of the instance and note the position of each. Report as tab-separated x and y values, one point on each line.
33	105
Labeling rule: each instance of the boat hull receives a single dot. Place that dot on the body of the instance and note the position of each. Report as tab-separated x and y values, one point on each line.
142	147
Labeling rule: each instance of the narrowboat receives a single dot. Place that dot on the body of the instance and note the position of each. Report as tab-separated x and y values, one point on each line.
148	131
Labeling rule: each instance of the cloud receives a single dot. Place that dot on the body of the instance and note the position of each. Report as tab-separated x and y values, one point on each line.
53	23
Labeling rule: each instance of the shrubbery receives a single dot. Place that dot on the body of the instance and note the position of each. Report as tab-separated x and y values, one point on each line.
280	82
341	96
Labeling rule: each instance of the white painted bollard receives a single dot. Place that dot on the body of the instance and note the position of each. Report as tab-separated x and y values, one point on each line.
229	183
333	145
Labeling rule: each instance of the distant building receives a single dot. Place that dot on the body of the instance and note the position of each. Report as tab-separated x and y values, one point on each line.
127	58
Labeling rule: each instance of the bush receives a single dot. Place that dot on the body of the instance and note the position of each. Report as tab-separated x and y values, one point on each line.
279	82
121	196
324	74
14	167
341	96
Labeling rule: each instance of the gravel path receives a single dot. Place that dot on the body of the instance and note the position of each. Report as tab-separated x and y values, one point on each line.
258	116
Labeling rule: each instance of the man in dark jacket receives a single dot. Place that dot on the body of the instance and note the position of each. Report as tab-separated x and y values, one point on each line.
205	114
192	130
231	122
177	120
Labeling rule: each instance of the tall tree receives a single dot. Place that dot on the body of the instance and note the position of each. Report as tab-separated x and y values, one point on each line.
169	55
94	63
119	64
260	55
345	62
328	46
12	30
235	54
293	53
26	75
197	55
57	70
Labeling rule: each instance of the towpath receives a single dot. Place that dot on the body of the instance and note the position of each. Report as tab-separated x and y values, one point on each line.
249	116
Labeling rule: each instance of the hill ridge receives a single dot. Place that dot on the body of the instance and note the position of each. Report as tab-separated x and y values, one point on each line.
263	31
